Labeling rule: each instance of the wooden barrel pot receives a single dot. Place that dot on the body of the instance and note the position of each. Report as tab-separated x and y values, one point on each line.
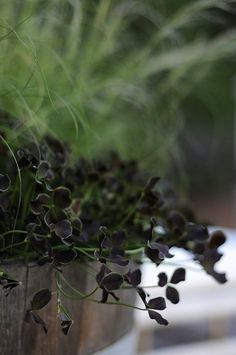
96	326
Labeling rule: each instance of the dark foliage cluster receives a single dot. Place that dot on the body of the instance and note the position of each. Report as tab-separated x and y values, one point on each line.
56	211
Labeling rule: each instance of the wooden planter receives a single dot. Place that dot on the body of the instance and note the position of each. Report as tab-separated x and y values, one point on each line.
95	327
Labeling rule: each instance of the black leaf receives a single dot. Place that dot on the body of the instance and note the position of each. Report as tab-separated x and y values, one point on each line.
153	255
135	277
24	158
118	257
62	197
104	270
118	238
197	232
65	256
66	323
176	223
162	248
112	281
37	205
53	216
217	239
44	171
105	295
172	294
219	277
41	299
199	248
63	229
142	295
178	276
158	303
7	282
45	260
5	182
157	317
162	279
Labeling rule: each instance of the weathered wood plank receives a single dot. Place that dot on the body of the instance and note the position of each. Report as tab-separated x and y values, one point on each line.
12	310
95	325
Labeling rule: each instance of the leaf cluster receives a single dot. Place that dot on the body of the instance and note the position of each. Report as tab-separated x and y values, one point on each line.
93	210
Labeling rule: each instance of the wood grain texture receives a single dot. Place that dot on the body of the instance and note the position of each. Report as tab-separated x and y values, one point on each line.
12	313
95	325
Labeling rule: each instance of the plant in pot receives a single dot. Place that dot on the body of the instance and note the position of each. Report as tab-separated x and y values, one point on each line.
73	235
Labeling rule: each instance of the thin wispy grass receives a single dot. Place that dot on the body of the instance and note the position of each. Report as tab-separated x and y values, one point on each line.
110	74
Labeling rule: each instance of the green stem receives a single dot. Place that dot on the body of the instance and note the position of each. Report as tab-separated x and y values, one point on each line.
134	251
62	247
15	231
97	301
81	295
122	304
85	253
13	245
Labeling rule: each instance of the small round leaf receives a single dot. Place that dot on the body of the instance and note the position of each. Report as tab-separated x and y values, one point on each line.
178	276
112	281
63	229
62	197
135	277
4	182
41	299
65	256
217	239
157	317
172	294
158	303
162	279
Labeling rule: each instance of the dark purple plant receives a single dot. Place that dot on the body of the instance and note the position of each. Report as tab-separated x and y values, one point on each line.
99	210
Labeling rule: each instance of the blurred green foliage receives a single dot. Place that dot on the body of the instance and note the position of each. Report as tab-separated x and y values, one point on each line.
140	77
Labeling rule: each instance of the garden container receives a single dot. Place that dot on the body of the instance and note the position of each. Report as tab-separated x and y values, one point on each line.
96	326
